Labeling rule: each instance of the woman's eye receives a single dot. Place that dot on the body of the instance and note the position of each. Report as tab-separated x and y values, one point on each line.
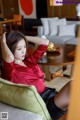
19	49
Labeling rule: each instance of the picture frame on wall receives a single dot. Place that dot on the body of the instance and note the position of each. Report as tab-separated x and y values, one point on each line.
30	11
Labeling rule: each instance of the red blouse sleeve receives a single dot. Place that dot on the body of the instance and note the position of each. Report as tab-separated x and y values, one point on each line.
7	68
37	54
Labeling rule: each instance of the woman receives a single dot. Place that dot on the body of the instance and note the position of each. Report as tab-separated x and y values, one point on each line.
23	69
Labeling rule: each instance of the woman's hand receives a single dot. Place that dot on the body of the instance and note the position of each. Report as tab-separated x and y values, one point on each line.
7	55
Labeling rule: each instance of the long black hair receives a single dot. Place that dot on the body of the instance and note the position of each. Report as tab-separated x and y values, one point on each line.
13	37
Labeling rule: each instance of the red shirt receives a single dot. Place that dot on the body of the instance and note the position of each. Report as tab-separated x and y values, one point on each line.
31	74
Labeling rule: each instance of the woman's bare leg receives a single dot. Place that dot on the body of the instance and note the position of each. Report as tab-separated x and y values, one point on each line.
61	99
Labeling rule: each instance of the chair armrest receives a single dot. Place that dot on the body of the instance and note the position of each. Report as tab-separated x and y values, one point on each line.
40	31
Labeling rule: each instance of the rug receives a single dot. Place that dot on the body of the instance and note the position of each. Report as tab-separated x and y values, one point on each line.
59	82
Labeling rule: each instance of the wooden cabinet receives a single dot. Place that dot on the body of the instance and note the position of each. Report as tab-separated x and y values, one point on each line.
9	7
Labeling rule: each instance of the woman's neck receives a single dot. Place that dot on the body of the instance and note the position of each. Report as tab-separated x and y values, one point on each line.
19	62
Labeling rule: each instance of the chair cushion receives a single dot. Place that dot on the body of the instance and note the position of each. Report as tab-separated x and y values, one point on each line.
59	39
73	41
53	25
65	30
24	97
53	30
46	24
18	114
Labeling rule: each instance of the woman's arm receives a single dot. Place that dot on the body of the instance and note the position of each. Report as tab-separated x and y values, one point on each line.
38	40
6	53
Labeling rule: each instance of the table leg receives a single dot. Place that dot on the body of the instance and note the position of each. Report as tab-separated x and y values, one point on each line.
10	26
72	67
65	68
48	75
1	29
58	73
47	72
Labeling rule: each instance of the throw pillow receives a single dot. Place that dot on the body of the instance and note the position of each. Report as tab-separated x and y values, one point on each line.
40	31
61	21
67	30
24	97
53	25
46	24
53	30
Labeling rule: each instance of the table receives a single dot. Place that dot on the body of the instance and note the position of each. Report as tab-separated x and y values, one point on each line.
34	30
9	21
64	58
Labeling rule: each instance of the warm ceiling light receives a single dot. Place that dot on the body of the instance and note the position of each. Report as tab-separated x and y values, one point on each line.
56	2
78	10
51	2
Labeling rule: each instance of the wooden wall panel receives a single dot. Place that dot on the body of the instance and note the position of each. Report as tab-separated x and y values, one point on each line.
66	10
72	11
1	9
10	7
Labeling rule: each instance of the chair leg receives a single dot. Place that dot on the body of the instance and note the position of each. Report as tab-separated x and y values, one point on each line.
58	73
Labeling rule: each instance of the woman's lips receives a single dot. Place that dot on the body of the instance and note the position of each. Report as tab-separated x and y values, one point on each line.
23	56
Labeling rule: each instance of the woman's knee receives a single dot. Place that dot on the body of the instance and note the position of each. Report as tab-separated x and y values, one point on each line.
62	98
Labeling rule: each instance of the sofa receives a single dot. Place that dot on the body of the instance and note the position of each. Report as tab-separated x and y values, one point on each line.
21	102
14	113
59	31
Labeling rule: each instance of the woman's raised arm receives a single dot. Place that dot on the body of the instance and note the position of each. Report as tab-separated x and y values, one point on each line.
38	40
6	53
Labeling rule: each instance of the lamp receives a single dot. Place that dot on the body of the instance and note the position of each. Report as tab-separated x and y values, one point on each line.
78	10
56	3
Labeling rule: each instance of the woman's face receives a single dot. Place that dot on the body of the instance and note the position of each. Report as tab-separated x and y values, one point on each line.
20	51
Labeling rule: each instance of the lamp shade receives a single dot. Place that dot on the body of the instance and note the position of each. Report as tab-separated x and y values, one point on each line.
78	10
56	2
